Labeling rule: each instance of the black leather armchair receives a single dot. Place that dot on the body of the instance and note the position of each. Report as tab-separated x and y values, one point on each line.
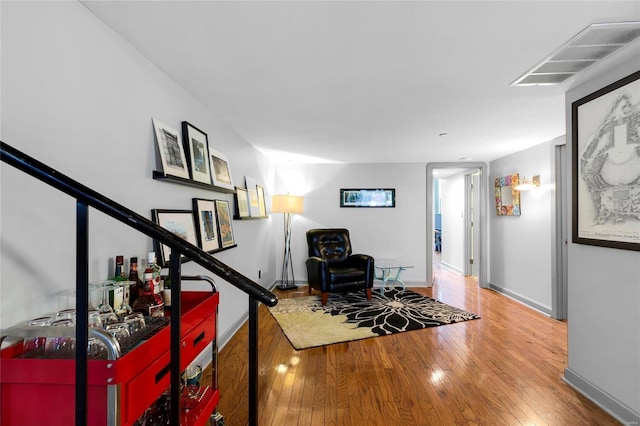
331	267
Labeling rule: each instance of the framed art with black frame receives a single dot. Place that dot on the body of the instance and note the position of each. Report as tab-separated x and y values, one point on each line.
606	166
204	212
225	228
242	203
196	147
365	197
171	151
181	223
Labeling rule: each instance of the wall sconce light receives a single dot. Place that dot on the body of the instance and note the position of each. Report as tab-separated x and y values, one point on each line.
525	184
289	205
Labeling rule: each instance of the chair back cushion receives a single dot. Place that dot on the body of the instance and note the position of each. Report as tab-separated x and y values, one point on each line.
333	244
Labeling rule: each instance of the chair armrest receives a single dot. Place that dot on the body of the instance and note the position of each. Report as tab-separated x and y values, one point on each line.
317	271
365	262
361	260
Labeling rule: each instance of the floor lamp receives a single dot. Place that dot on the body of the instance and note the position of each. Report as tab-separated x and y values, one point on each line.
289	205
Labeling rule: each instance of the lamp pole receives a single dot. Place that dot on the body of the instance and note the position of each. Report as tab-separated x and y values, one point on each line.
288	205
286	259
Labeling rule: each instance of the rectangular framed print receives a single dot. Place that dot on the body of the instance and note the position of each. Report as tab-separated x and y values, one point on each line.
220	170
225	229
252	191
180	222
206	224
606	166
171	151
196	146
365	197
262	205
242	203
506	196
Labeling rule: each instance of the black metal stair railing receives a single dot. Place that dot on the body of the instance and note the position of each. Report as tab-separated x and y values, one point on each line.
85	198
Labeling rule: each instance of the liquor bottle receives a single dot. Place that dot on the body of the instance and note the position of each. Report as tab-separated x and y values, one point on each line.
118	294
148	302
134	289
156	270
166	293
119	274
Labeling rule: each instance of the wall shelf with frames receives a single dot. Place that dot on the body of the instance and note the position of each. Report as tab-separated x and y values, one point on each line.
188	182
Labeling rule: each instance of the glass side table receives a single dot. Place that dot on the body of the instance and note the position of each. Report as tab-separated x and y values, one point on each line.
389	271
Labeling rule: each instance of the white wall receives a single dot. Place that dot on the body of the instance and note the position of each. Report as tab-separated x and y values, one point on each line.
604	299
398	233
452	194
520	245
80	99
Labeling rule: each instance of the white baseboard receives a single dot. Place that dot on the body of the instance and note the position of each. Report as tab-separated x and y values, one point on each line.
602	399
522	299
451	267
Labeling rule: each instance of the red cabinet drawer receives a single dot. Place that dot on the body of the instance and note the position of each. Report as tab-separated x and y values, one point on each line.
197	340
144	389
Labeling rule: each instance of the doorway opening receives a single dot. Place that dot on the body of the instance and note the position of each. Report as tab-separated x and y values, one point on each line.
457	221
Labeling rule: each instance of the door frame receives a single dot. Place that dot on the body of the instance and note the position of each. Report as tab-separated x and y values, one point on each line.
560	236
471	221
484	197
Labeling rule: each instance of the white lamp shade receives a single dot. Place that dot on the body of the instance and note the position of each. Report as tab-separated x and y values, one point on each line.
287	204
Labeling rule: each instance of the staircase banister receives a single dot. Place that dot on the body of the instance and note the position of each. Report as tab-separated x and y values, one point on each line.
41	171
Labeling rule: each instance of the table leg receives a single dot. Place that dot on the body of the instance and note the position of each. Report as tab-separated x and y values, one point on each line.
385	277
399	280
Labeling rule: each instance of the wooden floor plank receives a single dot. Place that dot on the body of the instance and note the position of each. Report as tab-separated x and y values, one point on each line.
503	369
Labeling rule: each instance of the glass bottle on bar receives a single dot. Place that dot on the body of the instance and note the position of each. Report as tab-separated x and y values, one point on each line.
148	302
157	272
117	294
166	292
119	272
134	289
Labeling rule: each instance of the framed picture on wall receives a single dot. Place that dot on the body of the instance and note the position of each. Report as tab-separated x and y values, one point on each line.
262	205
242	203
206	224
225	228
171	151
606	166
181	223
220	170
252	191
365	197
196	146
506	196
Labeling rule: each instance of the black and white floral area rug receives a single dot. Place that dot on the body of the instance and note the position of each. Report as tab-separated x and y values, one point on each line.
350	316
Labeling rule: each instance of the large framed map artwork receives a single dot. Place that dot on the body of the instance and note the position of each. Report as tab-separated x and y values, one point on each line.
606	166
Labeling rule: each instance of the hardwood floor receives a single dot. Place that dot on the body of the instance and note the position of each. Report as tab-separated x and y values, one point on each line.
504	369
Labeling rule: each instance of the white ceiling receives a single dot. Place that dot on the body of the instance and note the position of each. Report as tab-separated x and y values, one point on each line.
369	81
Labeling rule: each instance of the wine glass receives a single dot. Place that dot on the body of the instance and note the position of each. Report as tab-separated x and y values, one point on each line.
120	331
61	347
69	314
108	318
94	319
96	349
136	325
123	309
35	345
104	286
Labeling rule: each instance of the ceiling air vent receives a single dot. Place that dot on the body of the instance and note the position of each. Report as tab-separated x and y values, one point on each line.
591	45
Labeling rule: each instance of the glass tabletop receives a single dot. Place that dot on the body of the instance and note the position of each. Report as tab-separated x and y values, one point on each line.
391	264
